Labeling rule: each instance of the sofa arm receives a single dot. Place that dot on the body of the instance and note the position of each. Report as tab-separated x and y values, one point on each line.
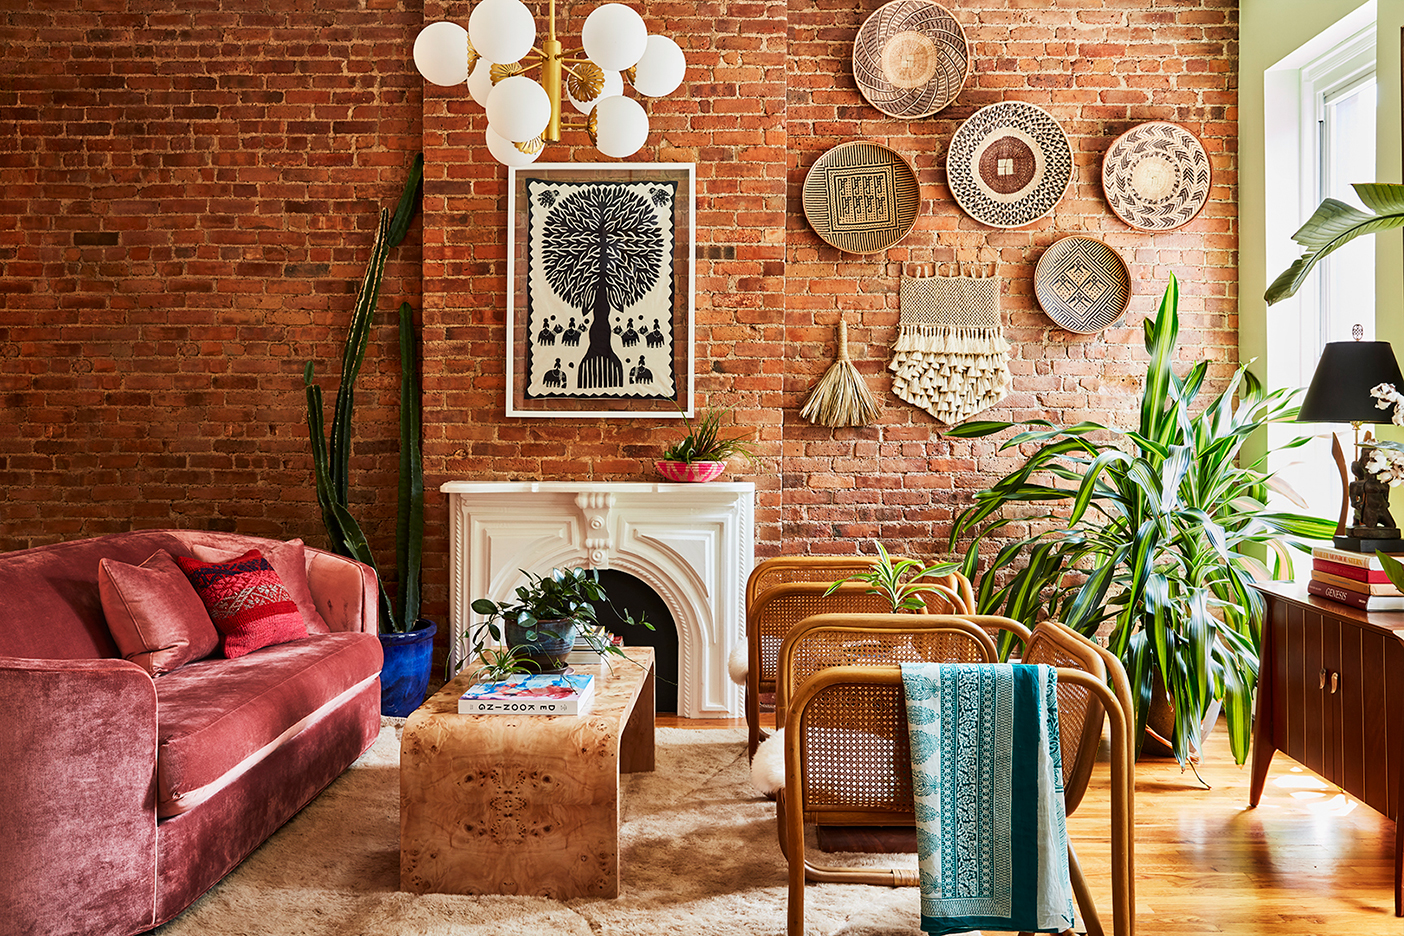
345	591
78	822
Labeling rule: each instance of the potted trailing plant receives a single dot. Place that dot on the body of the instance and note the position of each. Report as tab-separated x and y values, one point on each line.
900	581
541	624
406	639
702	455
1151	532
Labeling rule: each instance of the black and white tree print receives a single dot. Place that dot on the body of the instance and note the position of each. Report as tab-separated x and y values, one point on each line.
600	275
603	249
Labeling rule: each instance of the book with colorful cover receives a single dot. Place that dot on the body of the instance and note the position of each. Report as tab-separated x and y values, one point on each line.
1356	599
1365	588
1358	573
530	694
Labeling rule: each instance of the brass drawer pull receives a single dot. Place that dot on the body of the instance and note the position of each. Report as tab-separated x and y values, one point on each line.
1335	679
1322	683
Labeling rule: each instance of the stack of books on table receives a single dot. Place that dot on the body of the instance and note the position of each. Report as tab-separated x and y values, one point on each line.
530	694
1352	578
583	654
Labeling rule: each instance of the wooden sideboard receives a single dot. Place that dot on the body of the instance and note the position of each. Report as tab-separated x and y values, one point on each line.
1331	697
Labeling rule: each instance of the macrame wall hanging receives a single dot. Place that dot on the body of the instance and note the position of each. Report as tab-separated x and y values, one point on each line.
950	357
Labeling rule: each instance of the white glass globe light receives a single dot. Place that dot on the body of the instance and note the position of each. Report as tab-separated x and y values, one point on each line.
504	152
621	128
518	109
441	53
613	87
480	82
502	30
614	37
661	69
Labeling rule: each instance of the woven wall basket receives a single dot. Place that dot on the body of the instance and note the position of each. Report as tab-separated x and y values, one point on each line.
911	58
1082	284
1009	164
1156	176
861	197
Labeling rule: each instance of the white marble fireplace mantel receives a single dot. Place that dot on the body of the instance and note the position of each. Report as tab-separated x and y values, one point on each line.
693	544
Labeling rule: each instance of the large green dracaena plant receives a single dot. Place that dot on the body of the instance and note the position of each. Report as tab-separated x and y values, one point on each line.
331	458
1151	531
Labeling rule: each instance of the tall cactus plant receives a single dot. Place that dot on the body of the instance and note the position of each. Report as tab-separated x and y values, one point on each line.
331	458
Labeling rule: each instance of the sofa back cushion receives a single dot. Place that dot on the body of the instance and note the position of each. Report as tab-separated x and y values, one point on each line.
53	609
154	614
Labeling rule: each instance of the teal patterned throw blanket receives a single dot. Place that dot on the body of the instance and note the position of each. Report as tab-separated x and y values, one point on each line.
987	777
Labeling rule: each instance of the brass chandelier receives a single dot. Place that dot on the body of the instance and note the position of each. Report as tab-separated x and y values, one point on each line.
520	84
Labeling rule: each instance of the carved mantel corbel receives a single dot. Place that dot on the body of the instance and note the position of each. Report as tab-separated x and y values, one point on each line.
599	539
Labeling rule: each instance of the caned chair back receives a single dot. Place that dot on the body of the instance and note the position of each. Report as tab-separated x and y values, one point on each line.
783	570
778	609
847	639
847	761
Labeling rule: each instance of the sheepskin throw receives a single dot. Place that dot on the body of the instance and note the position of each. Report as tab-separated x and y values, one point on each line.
950	358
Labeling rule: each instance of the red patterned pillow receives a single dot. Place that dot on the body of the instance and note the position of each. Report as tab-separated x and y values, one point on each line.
246	600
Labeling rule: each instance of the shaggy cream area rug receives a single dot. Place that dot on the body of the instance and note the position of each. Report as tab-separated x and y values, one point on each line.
698	855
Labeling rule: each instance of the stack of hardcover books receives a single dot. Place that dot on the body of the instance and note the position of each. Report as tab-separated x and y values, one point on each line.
1353	578
530	695
584	654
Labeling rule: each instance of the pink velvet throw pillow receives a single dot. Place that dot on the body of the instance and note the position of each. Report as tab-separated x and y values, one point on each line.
247	601
156	619
289	560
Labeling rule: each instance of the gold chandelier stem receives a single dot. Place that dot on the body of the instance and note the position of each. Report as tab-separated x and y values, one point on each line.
551	76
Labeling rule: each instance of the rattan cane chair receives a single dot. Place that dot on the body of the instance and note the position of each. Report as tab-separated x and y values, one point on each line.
776	610
870	782
782	570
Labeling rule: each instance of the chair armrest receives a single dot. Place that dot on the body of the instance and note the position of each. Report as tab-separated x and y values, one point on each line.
344	590
78	827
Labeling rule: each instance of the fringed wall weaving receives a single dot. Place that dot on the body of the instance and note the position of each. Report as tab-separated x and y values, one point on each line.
950	358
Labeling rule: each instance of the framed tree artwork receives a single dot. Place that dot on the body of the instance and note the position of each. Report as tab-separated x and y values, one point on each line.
600	278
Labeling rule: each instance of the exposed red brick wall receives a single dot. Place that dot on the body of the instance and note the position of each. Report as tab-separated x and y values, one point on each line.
1099	67
187	197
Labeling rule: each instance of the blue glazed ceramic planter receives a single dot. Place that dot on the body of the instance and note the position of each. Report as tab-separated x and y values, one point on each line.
404	679
547	653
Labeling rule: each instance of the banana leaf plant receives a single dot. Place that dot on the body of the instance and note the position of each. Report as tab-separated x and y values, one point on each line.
331	458
1150	531
1335	224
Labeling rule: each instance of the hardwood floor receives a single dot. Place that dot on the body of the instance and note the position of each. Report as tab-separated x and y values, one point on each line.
1308	860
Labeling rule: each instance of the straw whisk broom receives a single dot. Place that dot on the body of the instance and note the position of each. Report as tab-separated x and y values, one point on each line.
841	398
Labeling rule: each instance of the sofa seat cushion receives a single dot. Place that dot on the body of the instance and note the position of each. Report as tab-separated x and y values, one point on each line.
217	717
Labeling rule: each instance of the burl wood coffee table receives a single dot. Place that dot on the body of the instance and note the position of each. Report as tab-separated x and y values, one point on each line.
522	804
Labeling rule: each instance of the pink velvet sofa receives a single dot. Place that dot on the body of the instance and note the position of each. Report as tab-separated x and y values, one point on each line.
123	798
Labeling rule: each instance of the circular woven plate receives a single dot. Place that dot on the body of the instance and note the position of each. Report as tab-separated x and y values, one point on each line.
1083	284
1009	164
910	58
1156	176
861	197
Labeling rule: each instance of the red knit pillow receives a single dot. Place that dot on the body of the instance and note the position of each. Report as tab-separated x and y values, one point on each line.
247	601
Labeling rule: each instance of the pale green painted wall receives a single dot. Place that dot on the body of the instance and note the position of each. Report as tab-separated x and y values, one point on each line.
1268	31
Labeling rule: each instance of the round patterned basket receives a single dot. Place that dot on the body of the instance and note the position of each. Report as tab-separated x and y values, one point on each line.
1156	176
911	58
1009	164
690	471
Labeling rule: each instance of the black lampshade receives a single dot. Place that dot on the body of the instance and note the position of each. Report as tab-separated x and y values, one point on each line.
1345	375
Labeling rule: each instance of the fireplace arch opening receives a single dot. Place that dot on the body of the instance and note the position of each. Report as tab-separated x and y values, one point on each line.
634	597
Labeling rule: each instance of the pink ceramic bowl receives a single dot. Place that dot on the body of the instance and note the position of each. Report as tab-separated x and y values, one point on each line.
690	471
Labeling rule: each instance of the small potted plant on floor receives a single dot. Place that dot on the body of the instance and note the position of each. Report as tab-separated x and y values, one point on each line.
703	454
542	624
